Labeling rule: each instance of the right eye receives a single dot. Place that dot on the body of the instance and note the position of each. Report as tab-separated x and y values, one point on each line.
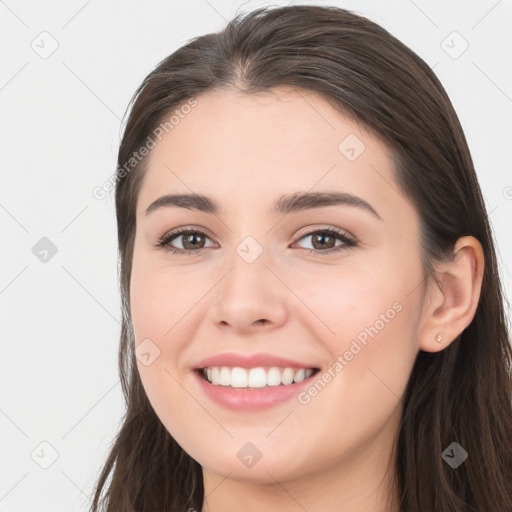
190	237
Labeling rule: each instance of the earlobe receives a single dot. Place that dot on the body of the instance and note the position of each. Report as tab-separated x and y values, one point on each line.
454	297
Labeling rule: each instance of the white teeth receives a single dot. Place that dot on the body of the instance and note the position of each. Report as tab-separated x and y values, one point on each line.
255	377
225	376
287	376
238	378
274	377
299	376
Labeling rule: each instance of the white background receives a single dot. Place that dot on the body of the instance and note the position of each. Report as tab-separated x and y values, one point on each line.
59	134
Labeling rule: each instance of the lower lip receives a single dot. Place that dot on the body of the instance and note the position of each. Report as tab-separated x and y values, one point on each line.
245	399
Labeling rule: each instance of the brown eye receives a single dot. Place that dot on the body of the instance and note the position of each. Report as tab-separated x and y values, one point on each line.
191	241
324	241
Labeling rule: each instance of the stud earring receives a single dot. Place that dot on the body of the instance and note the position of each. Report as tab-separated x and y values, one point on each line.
439	338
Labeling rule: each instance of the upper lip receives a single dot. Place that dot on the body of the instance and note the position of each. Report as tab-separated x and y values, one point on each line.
250	361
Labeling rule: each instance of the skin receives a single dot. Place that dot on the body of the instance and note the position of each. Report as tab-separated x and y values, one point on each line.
245	151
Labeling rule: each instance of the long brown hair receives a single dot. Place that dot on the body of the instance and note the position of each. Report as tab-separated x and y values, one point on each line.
461	394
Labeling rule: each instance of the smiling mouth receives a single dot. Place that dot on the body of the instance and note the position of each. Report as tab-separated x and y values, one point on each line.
255	378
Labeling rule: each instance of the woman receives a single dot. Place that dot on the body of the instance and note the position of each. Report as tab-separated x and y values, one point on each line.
313	317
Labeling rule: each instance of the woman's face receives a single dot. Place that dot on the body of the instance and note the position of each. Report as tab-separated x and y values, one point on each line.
254	287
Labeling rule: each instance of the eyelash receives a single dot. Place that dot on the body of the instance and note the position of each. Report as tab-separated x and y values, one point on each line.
348	241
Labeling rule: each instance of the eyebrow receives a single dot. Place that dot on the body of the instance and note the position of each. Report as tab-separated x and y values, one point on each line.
296	202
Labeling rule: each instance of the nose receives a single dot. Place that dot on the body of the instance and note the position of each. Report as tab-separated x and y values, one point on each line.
249	297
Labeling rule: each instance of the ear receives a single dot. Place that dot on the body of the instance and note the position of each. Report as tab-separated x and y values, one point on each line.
451	302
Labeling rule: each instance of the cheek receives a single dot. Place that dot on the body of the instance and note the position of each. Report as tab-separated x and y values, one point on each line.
369	321
372	350
356	302
159	305
160	300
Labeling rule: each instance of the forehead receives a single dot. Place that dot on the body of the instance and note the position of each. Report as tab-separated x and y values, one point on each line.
238	146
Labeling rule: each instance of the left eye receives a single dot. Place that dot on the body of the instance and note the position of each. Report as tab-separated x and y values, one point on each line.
325	239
